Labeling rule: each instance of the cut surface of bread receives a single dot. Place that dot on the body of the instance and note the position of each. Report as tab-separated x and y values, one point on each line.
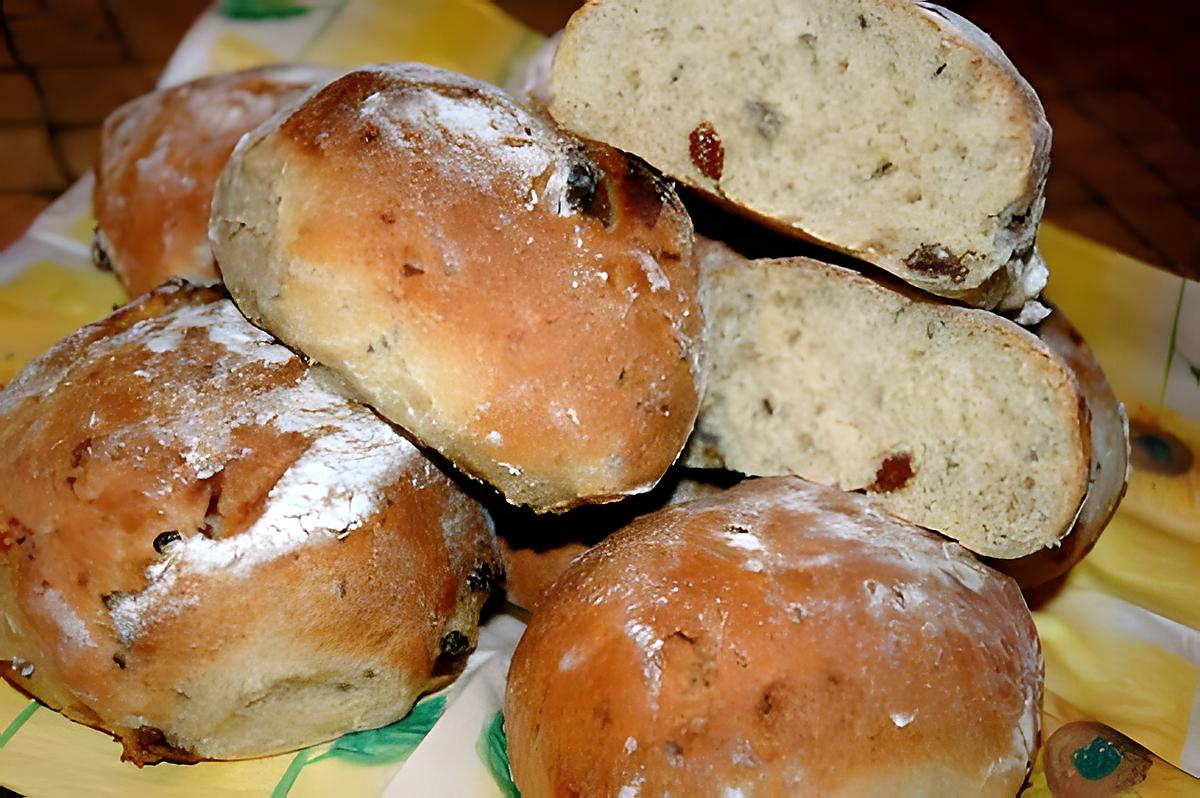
894	131
953	418
1109	473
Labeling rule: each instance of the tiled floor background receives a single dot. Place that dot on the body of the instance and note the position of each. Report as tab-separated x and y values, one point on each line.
1119	81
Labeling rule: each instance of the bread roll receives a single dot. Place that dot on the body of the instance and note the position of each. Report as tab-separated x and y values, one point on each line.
538	548
953	418
1109	472
896	132
210	553
160	156
520	301
779	639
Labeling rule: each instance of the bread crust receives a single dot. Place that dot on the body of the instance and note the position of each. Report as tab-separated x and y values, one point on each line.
1004	274
1108	476
160	156
520	301
915	448
210	552
778	639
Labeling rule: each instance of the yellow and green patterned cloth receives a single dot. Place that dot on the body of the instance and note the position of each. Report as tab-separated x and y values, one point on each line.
1121	639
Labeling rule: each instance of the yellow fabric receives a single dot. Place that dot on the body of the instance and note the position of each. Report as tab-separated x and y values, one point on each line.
1116	638
46	302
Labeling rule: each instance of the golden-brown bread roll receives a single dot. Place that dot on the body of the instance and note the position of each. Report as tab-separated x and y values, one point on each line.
779	639
160	156
210	552
518	300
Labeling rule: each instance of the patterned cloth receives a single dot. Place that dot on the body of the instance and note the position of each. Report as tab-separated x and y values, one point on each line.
1121	639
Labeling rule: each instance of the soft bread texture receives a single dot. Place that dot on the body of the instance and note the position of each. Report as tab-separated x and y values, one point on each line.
210	552
779	639
160	156
522	302
894	131
953	418
1109	473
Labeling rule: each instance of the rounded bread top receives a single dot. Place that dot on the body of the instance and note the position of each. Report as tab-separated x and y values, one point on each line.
781	638
519	300
176	486
160	156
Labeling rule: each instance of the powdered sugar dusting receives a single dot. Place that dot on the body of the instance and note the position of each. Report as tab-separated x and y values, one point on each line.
742	539
329	491
486	133
654	272
74	631
650	645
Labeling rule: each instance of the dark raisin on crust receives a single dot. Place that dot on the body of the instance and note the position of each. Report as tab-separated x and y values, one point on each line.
163	540
99	254
149	746
455	644
482	577
582	182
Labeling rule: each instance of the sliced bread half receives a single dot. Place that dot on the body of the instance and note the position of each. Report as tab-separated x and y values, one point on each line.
1109	475
894	131
953	418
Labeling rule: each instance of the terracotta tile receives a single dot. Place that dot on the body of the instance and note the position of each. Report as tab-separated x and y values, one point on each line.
152	28
1071	128
29	163
17	212
79	148
84	96
1173	229
1128	114
1112	171
62	33
1065	188
18	99
1101	224
1173	158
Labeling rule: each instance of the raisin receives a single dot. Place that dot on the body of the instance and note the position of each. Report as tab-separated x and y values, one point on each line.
164	539
894	473
455	644
706	150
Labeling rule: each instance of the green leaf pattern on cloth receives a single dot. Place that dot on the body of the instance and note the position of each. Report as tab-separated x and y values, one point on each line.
373	746
261	9
492	748
18	722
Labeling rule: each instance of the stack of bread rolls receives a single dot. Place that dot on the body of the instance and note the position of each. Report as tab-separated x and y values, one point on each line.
449	312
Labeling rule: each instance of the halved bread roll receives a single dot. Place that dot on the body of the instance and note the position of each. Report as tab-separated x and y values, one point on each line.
894	131
1109	474
953	418
522	302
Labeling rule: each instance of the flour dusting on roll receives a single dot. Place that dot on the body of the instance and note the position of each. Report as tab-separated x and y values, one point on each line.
211	552
781	638
519	300
160	156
